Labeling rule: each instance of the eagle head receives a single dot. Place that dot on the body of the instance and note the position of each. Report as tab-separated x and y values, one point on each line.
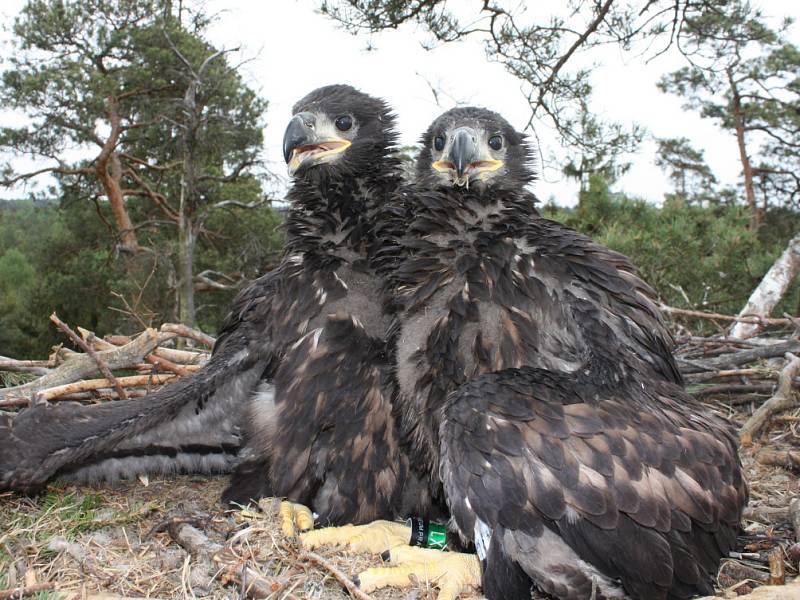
474	147
338	130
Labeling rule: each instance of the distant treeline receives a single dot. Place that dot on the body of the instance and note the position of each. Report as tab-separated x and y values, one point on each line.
700	255
60	258
57	258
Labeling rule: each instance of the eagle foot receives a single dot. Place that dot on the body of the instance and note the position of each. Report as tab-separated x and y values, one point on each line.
374	538
295	518
451	572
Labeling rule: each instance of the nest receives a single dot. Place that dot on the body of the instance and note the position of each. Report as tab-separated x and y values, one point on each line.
155	538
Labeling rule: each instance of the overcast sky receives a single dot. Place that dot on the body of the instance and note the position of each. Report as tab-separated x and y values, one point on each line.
294	50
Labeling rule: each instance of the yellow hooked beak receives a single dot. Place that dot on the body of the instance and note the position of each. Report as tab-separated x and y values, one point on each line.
316	153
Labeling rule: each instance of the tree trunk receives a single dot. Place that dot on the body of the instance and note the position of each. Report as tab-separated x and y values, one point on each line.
186	246
747	168
109	174
771	289
188	206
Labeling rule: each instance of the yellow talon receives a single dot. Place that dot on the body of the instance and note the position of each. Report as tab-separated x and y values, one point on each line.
375	538
294	518
451	572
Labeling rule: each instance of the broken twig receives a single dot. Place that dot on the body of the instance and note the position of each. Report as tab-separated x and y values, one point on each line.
783	399
101	365
340	577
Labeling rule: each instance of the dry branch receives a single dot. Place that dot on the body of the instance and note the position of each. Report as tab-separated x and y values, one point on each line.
156	361
182	357
735	388
725	373
787	459
783	399
770	291
765	514
99	384
769	592
188	332
342	578
740	357
101	365
739	572
37	367
78	366
751	319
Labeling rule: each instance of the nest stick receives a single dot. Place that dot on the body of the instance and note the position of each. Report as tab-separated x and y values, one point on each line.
338	575
101	364
783	399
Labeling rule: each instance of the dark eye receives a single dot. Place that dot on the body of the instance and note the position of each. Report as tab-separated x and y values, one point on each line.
344	123
495	142
438	143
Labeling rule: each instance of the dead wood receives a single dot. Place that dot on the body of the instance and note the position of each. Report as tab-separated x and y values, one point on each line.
36	367
736	388
88	397
777	571
250	581
751	319
770	290
156	361
788	459
188	332
101	365
740	357
100	384
196	543
191	539
181	357
78	366
726	373
765	514
783	399
794	515
769	592
739	572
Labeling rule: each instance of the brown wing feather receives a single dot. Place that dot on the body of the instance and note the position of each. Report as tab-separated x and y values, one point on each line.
614	489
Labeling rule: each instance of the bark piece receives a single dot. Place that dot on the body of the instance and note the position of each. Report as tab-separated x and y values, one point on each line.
777	570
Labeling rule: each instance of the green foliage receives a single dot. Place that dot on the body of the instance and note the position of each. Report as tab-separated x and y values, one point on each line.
167	130
60	259
697	257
